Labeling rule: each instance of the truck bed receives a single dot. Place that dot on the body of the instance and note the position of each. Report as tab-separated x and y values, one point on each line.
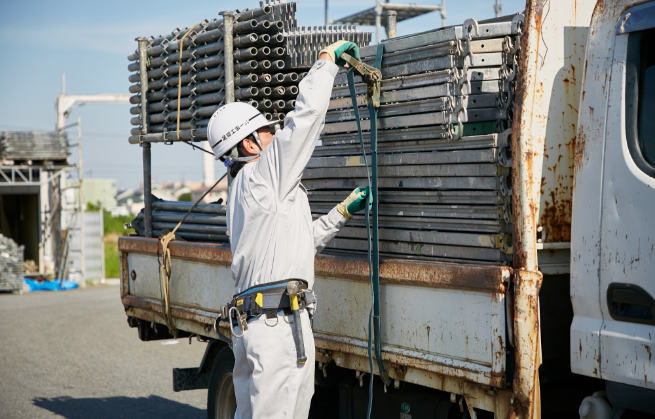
443	324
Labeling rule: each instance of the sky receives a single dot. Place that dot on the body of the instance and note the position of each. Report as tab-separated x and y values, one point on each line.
89	41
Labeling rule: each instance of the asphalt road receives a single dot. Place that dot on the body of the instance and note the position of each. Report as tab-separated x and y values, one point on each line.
72	355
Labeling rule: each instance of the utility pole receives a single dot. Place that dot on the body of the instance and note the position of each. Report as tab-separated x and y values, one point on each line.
378	20
498	8
444	14
327	20
81	217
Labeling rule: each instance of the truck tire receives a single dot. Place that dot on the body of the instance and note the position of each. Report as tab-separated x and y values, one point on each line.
221	402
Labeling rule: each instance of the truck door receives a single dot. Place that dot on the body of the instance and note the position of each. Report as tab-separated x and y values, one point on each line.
627	265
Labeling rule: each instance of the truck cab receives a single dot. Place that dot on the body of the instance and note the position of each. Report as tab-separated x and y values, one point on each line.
612	240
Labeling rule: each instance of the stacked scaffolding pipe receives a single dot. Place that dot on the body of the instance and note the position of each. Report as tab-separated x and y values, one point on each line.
205	223
444	165
11	264
33	145
265	60
264	66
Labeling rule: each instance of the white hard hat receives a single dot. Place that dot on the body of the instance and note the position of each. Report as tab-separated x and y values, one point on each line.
232	123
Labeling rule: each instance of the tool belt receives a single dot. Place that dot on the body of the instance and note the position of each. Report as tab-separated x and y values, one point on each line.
265	299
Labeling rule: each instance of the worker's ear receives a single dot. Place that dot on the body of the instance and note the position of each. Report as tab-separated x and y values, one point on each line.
250	146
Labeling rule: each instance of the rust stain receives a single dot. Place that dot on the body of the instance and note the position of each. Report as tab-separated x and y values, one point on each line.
520	156
556	218
347	355
580	144
419	273
124	269
392	271
186	313
215	254
647	347
526	338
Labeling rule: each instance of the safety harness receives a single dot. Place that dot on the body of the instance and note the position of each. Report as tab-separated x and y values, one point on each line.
289	296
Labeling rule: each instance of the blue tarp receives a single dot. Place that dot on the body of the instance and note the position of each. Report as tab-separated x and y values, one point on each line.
55	285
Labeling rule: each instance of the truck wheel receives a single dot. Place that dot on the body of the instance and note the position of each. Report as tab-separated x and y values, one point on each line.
221	402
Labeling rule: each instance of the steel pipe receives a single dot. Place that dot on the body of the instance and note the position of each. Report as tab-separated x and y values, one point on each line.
210	86
198	134
197	237
251	52
263	79
189	228
253	65
245	80
285	78
253	26
187	102
144	120
264	91
172	82
187	66
277	52
184	125
195	220
154	48
283	91
246	92
264	104
289	105
228	48
181	206
174	58
278	65
278	91
205	111
245	40
254	13
276	39
278	105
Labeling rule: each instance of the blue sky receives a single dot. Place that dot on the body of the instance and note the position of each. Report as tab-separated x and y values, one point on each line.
90	41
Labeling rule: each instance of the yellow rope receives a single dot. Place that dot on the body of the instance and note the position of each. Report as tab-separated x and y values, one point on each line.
179	79
165	269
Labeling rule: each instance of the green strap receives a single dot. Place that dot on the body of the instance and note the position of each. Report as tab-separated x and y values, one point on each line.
373	242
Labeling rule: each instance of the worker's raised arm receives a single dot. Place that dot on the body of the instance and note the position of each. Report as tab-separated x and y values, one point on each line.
284	160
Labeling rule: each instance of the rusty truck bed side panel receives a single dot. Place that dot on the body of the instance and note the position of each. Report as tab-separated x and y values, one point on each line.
392	271
420	341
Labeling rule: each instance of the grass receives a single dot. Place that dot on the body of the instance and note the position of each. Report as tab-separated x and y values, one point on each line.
113	230
112	269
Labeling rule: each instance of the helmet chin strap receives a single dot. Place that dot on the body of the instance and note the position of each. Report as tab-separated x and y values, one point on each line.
229	160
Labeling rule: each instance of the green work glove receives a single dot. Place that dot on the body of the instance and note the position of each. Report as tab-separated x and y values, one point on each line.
338	48
355	202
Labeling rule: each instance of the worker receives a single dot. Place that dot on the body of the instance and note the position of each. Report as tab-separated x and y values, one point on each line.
273	238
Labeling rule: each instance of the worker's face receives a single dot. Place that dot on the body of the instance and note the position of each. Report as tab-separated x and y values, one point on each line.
265	136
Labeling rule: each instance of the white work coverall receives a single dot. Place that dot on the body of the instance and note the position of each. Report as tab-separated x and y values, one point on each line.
273	238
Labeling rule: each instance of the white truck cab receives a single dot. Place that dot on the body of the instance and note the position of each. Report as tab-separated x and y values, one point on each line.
613	221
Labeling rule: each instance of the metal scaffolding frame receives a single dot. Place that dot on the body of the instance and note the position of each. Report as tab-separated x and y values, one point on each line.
377	16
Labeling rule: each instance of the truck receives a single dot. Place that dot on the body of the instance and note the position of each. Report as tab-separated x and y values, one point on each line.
564	329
